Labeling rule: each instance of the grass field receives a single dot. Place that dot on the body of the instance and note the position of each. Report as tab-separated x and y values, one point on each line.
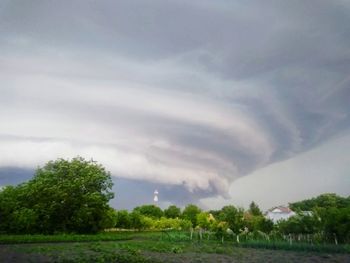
153	247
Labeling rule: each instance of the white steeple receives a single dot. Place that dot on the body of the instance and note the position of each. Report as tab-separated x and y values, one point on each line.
155	198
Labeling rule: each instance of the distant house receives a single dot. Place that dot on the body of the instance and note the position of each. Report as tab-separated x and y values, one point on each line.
279	213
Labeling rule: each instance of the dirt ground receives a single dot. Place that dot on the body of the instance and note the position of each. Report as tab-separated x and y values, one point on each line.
13	254
253	256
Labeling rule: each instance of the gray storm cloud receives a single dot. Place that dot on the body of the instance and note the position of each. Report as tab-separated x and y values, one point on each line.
193	94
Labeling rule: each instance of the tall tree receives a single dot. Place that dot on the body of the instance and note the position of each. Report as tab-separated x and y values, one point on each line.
64	196
172	212
190	213
233	216
123	219
149	211
254	209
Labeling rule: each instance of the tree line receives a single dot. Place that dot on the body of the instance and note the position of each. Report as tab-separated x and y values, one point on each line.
316	220
72	196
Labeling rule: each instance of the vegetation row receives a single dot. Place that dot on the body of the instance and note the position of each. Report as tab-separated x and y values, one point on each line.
72	196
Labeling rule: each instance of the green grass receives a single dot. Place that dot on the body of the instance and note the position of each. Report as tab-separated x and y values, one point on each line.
282	245
105	236
153	247
165	241
18	239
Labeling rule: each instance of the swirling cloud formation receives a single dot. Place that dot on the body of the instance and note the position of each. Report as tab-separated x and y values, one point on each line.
186	93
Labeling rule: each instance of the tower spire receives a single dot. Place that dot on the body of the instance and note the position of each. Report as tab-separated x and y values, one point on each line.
155	198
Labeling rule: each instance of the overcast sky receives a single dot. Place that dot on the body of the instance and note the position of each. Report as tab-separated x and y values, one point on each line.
211	102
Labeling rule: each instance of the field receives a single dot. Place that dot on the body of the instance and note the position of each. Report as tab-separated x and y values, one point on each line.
157	247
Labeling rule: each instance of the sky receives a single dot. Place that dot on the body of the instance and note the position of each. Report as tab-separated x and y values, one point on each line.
210	102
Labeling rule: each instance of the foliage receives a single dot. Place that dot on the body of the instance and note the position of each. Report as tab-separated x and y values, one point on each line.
123	219
136	220
220	229
300	224
63	196
254	209
258	222
149	211
336	224
172	223
190	213
110	220
72	197
264	224
172	212
38	238
204	220
233	216
329	200
333	217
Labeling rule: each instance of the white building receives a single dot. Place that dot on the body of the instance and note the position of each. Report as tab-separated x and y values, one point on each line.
279	213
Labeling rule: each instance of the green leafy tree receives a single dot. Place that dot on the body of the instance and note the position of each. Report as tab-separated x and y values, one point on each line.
233	216
203	220
214	213
220	229
254	209
64	196
149	211
135	220
23	220
172	212
147	222
71	196
139	221
335	222
172	223
300	224
265	225
190	213
185	224
123	219
329	200
110	220
10	206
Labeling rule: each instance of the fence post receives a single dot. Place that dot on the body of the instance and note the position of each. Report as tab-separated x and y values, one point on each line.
290	239
335	239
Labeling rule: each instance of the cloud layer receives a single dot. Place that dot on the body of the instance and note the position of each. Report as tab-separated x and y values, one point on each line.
192	94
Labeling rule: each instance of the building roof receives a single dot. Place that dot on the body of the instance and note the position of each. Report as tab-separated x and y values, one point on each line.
281	209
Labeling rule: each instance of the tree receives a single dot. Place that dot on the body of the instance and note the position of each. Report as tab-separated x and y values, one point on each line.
149	211
110	220
190	213
300	224
64	196
254	209
136	220
123	219
336	224
265	225
203	220
233	217
328	200
172	212
257	223
11	210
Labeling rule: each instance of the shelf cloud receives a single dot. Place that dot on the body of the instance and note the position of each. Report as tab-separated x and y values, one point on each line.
189	94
